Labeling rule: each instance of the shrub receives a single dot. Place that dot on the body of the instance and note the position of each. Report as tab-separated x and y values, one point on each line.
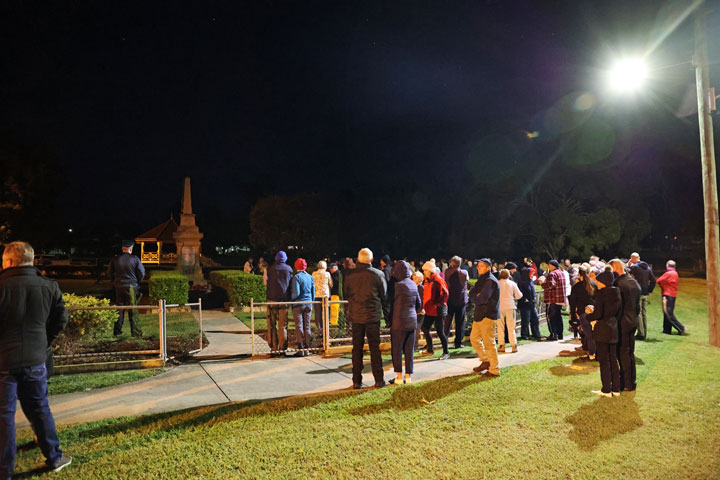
90	323
171	286
239	286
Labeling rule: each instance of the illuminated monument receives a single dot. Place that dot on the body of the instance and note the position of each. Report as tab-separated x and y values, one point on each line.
187	238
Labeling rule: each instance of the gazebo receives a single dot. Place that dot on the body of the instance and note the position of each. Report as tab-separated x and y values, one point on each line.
156	237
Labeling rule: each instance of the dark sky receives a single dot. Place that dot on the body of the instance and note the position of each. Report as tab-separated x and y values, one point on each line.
255	98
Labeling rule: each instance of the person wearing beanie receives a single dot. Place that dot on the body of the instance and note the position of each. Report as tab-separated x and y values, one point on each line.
435	297
554	297
365	290
302	288
485	295
277	279
323	285
603	318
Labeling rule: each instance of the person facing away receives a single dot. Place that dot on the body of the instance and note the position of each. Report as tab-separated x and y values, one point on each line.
485	295
528	314
406	306
323	285
417	278
457	283
302	288
277	280
581	296
249	267
627	323
126	271
645	278
669	282
365	289
554	297
32	315
603	318
509	293
435	297
335	276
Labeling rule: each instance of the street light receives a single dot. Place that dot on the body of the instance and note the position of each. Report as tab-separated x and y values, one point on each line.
628	75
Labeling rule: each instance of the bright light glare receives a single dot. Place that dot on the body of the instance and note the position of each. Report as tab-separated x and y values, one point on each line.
628	75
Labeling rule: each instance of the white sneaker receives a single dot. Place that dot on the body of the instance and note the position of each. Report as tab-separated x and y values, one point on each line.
615	394
602	394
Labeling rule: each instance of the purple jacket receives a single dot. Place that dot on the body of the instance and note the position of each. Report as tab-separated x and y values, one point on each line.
457	282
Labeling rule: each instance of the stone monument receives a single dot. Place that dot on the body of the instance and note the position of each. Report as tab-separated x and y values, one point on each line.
187	238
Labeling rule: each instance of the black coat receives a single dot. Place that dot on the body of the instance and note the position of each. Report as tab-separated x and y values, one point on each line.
457	282
279	276
32	315
485	295
365	290
407	302
630	294
579	299
644	276
607	311
527	288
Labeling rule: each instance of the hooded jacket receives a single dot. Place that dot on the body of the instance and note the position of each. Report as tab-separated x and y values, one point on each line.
407	302
435	294
278	279
365	290
527	288
607	310
32	315
485	295
644	276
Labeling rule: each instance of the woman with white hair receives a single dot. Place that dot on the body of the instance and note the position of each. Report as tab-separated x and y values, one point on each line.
323	284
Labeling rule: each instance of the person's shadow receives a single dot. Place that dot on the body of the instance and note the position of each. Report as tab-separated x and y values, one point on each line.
604	419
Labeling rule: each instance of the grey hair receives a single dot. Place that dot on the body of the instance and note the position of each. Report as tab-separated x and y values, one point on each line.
21	253
322	265
456	261
671	264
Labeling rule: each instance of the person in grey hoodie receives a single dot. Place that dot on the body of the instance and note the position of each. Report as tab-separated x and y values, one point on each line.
406	305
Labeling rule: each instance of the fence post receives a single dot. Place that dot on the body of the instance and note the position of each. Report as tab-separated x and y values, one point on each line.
160	329
200	318
252	327
326	324
163	326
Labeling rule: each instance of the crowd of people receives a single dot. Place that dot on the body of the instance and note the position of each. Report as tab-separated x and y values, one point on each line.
605	301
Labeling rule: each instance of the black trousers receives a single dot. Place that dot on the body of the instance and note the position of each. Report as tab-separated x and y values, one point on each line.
669	320
609	369
626	356
529	320
123	297
439	328
403	341
555	322
359	332
458	313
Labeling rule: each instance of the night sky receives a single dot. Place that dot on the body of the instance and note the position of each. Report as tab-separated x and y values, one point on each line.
257	98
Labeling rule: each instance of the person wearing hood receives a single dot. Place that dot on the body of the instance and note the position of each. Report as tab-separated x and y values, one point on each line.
603	318
406	305
277	280
581	296
528	311
302	288
669	282
435	297
365	290
323	285
485	295
417	278
644	276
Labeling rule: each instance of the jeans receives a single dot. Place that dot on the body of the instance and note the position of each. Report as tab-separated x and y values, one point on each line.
318	316
555	322
30	386
669	319
439	328
277	327
302	314
124	297
609	369
642	318
458	313
529	320
372	331
403	341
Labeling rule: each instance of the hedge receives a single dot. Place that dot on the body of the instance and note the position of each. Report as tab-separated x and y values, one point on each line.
239	286
91	323
171	286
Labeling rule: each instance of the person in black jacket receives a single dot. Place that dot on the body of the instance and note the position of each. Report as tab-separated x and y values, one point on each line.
457	282
365	289
630	294
581	296
603	317
126	271
406	306
644	276
485	295
528	311
32	315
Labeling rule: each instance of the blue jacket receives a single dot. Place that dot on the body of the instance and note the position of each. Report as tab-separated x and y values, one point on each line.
278	282
126	270
302	287
407	302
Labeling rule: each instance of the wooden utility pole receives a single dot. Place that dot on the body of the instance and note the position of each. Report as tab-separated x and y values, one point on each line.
710	196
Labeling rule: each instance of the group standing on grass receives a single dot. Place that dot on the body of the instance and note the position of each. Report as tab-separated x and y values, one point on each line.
606	302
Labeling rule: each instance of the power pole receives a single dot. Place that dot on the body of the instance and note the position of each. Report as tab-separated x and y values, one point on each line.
710	195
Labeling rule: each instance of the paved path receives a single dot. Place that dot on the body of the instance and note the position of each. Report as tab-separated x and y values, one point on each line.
216	382
227	337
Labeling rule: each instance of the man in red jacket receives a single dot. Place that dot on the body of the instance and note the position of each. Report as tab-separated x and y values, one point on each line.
669	284
435	297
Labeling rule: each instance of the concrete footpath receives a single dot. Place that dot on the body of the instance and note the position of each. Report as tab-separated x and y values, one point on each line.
211	382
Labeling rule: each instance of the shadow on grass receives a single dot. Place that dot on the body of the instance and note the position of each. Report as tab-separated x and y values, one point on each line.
571	353
579	366
651	340
604	419
407	397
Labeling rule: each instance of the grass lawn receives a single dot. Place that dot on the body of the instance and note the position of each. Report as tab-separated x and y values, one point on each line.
535	421
260	320
90	381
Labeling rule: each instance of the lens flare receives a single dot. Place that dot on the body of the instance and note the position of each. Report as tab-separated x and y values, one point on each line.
628	75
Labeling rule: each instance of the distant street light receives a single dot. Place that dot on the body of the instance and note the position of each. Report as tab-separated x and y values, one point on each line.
628	75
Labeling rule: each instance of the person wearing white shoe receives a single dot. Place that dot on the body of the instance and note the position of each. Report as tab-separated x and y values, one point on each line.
603	318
